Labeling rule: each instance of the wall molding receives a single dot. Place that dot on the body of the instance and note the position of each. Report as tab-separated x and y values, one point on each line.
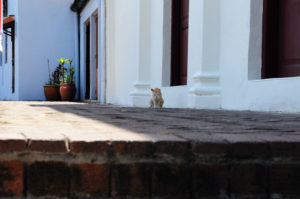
206	91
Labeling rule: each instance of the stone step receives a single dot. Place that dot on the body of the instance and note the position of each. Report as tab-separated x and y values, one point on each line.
77	150
147	169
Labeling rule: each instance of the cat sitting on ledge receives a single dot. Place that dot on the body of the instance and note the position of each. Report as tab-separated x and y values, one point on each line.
156	100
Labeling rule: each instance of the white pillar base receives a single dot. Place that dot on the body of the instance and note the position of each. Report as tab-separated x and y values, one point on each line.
141	94
205	101
206	92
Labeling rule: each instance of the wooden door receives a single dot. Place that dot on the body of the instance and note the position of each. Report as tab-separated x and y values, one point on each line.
179	51
281	40
289	38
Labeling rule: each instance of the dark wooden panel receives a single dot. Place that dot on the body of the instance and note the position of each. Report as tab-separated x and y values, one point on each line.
87	62
179	51
5	8
289	39
281	41
96	56
270	38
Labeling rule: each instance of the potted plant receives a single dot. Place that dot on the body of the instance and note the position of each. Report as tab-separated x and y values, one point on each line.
67	88
51	88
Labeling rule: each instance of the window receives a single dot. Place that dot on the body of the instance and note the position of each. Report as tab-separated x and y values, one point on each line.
179	42
281	41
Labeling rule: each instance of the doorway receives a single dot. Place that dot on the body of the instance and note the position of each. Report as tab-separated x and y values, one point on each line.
281	41
87	61
96	54
91	58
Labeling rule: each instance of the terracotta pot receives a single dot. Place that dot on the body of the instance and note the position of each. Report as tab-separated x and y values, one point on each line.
67	92
51	92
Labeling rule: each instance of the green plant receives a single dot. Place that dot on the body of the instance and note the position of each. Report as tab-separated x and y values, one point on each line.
50	82
69	73
57	75
62	62
54	77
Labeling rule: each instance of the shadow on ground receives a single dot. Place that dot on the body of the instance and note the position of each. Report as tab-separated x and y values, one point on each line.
184	123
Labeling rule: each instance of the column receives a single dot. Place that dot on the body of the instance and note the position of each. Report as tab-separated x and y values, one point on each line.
141	93
204	54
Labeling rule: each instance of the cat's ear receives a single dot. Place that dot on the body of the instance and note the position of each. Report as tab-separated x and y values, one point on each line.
152	90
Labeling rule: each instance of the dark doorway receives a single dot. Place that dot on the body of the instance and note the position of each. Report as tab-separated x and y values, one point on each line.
96	56
87	62
281	41
179	48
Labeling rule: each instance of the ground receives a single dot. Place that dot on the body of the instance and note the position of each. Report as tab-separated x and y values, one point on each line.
78	150
55	120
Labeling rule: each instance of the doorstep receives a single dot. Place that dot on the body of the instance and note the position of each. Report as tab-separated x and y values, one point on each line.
78	150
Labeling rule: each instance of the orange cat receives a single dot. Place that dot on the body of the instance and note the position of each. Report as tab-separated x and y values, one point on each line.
156	101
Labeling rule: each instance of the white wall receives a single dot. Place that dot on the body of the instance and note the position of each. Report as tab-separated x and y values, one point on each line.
134	56
202	89
86	16
130	54
241	48
224	57
6	75
122	49
45	31
281	94
175	96
234	52
6	68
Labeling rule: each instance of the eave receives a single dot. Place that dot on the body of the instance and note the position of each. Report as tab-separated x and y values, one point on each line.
78	5
8	22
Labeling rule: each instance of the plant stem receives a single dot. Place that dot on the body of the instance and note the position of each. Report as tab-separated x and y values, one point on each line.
49	70
63	73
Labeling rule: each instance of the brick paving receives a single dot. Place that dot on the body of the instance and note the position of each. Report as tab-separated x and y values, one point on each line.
77	150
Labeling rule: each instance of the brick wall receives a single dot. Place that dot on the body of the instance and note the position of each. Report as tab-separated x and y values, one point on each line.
166	169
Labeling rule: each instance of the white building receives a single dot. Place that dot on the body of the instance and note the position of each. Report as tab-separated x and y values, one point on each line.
233	54
43	30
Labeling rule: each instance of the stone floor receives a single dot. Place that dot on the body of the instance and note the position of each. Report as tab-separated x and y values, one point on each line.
58	120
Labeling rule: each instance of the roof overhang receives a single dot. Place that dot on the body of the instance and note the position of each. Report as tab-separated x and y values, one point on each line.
8	22
78	5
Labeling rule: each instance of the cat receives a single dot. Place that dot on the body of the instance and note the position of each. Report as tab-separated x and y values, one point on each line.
156	101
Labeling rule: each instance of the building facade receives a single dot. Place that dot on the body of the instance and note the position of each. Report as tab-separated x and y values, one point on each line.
240	55
42	30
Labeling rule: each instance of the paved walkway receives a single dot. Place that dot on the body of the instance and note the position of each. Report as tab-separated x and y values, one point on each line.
58	120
